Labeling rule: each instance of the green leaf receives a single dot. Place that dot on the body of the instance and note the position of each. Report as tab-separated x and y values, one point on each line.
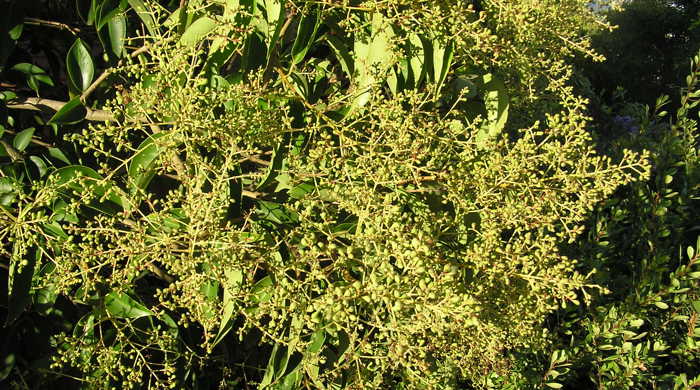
342	54
34	75
661	305
554	385
254	52
7	95
16	31
197	31
636	323
83	8
8	191
276	212
79	65
316	342
7	366
210	290
220	52
23	138
40	165
44	298
261	290
84	327
278	155
270	370
442	59
20	283
306	34
121	305
71	112
234	281
496	102
108	10
116	28
415	68
696	306
291	381
58	155
143	165
373	58
271	25
145	15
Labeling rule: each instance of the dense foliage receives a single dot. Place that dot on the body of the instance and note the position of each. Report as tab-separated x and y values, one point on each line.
360	194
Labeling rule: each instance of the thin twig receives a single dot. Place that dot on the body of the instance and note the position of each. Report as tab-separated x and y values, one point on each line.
52	24
49	106
251	194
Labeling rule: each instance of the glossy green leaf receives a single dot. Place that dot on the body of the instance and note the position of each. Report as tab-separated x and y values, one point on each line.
496	103
116	28
8	191
269	16
696	306
417	66
86	10
44	298
79	65
290	381
279	153
373	58
316	342
58	155
7	365
636	323
40	165
108	10
442	60
210	290
34	75
16	31
270	370
276	212
23	138
306	34
661	305
145	15
7	95
20	284
72	112
143	165
261	290
342	54
234	281
121	305
197	31
85	326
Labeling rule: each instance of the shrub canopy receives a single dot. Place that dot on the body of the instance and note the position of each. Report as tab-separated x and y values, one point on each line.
376	189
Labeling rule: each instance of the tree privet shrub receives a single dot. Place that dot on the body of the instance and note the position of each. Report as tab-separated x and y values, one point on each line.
365	194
